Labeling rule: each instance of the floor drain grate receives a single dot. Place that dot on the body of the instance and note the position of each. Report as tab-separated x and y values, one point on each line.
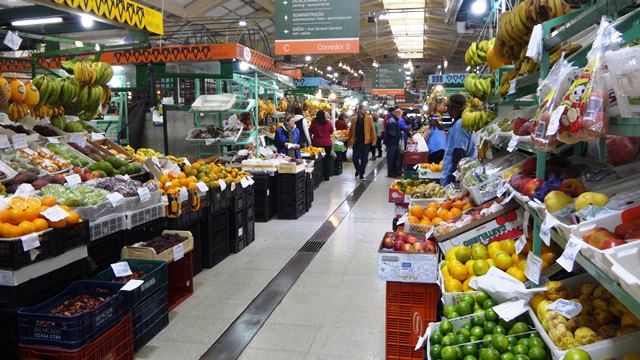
311	246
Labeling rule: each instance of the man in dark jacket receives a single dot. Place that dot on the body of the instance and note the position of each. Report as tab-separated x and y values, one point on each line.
392	134
287	139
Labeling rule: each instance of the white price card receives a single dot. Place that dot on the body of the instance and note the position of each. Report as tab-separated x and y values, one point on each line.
251	181
554	120
155	160
30	241
512	86
513	143
416	166
244	182
507	199
223	185
121	269
566	308
240	231
4	141
73	179
407	198
116	199
233	186
183	195
202	187
402	220
12	40
164	200
545	229
171	166
510	309
19	141
55	213
502	189
209	141
429	232
53	140
79	139
178	252
132	285
521	243
144	194
534	267
571	250
187	162
525	223
97	136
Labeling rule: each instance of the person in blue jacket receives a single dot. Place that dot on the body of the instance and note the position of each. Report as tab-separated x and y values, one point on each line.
391	140
404	127
459	141
436	139
287	139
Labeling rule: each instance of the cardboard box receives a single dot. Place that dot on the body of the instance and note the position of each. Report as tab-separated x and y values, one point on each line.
290	168
148	253
407	267
397	196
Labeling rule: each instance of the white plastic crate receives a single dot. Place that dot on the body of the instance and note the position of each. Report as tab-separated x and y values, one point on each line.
106	226
139	217
624	265
217	102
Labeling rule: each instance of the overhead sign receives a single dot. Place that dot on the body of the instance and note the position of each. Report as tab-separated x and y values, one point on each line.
317	27
388	79
125	12
312	81
447	79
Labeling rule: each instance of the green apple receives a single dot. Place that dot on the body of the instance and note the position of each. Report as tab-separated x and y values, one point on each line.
556	201
590	198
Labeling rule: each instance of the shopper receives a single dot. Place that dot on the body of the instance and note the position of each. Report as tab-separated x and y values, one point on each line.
380	133
320	131
402	122
362	134
436	140
459	141
341	123
287	139
375	126
392	134
301	124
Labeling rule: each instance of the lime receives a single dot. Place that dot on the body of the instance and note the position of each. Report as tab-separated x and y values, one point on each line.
465	331
470	349
488	354
477	331
445	327
536	342
537	353
478	252
469	357
462	339
521	349
477	320
480	267
467	298
577	354
521	357
488	304
448	340
452	315
463	254
449	353
467	326
500	342
524	341
507	356
489	326
477	308
459	351
481	296
464	308
504	324
486	340
436	338
449	309
512	340
499	329
473	338
490	315
435	351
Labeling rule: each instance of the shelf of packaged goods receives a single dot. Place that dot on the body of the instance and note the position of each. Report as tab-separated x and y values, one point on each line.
525	85
624	126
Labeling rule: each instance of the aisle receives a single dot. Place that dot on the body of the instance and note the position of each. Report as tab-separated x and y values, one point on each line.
347	262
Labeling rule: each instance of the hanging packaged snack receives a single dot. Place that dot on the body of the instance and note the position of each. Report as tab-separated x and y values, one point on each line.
587	100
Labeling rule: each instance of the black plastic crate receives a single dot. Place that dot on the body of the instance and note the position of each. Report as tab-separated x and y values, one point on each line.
292	211
150	317
292	195
237	220
9	345
250	213
156	278
287	181
238	199
237	244
264	214
106	250
219	200
52	243
249	196
38	327
145	231
185	220
250	232
216	248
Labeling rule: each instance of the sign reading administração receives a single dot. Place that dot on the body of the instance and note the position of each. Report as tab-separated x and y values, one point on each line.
388	79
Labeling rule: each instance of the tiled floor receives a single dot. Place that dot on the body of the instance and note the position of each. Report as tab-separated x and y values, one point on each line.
334	311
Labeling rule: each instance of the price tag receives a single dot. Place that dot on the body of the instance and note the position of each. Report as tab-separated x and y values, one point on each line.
164	200
202	187
402	220
510	309
144	194
521	243
12	40
534	267
183	195
115	199
79	139
30	241
25	190
171	166
566	308
97	136
4	141
223	185
19	141
178	252
244	182
121	269
449	188
407	198
545	229
251	181
416	166
233	186
512	87
186	162
513	143
502	189
525	223
30	152
55	213
240	231
429	232
570	252
209	141
554	120
155	160
132	285
73	179
507	199
53	140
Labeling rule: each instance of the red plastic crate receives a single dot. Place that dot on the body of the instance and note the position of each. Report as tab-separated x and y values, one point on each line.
180	280
115	344
409	310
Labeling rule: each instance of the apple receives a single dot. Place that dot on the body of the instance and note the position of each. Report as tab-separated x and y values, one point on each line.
398	245
529	186
629	230
609	243
517	124
402	237
556	201
412	239
599	236
76	170
408	248
429	247
572	187
590	198
387	242
97	174
418	247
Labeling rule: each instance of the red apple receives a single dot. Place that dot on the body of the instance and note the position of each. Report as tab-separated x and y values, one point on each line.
387	242
418	247
84	177
529	186
611	242
398	245
402	237
408	248
96	174
429	247
517	124
572	187
76	170
412	239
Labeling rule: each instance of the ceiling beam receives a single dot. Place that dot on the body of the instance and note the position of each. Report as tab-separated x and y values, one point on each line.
200	7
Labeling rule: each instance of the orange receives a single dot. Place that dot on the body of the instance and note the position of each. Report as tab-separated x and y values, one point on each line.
4	216
436	221
458	204
444	214
65	208
73	218
446	204
43	208
164	178
433	205
425	221
467	207
431	213
58	224
455	212
184	182
33	202
48	201
18	202
175	183
12	231
2	229
31	214
40	224
417	211
413	220
26	227
192	186
182	176
15	216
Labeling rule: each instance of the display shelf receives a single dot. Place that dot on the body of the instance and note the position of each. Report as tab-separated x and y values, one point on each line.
248	108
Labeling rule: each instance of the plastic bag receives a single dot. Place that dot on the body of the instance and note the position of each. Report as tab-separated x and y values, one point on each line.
349	154
421	144
552	90
587	100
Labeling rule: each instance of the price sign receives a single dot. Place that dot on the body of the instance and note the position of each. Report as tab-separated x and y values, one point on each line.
30	241
53	140
512	87
183	195
4	141
251	181
554	120
144	194
12	40
534	267
521	243
571	250
97	136
202	187
502	189
155	160
510	309
73	179
244	182
115	199
223	185
178	252
566	308
233	186
187	162
513	143
19	141
132	285
30	152
55	213
121	269
164	200
407	198
545	229
79	139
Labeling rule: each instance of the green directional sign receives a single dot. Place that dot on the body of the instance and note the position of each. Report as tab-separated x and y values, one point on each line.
317	27
388	79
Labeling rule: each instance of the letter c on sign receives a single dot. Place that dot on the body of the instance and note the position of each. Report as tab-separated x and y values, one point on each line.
286	48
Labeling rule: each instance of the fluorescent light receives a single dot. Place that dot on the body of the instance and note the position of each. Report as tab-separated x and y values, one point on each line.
439	66
244	66
383	16
307	58
86	21
335	74
329	68
479	7
332	96
446	63
425	107
468	68
242	22
37	21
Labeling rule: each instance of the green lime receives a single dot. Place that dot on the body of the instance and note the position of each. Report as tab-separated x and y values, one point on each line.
462	339
452	315
507	356
459	351
488	354
524	341
499	342
449	353
435	351
449	309
577	354
499	329
436	338
504	324
469	357
480	297
470	349
466	298
448	340
466	326
477	331
489	326
488	304
464	308
512	340
464	331
477	308
521	349
445	327
477	320
490	314
521	357
536	342
537	353
486	340
473	338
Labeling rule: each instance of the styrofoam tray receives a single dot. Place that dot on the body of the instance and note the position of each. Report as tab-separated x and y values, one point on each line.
212	140
624	265
216	102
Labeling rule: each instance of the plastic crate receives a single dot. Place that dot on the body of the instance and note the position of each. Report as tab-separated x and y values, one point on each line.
291	211
150	317
106	226
237	243
215	239
52	243
105	250
237	221
238	199
144	231
138	217
219	200
114	344
410	307
249	196
38	327
287	181
250	213
194	225
9	345
180	280
155	278
250	232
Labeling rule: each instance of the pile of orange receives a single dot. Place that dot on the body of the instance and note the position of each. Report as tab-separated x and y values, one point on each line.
438	212
24	216
172	182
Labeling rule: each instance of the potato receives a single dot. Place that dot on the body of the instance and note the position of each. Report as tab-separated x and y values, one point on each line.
587	289
582	321
601	304
585	336
603	317
601	292
607	331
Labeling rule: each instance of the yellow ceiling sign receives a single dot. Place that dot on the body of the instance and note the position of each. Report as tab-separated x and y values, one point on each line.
121	11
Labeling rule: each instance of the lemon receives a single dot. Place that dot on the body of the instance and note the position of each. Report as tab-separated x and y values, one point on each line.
478	252
463	254
445	272
469	265
517	273
491	262
503	261
480	267
451	254
452	285
458	270
493	249
509	246
465	284
522	265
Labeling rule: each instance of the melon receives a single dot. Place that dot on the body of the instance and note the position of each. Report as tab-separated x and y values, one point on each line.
5	93
32	95
18	91
494	60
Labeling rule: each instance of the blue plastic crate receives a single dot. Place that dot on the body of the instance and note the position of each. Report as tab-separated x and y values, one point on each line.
155	278
38	327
